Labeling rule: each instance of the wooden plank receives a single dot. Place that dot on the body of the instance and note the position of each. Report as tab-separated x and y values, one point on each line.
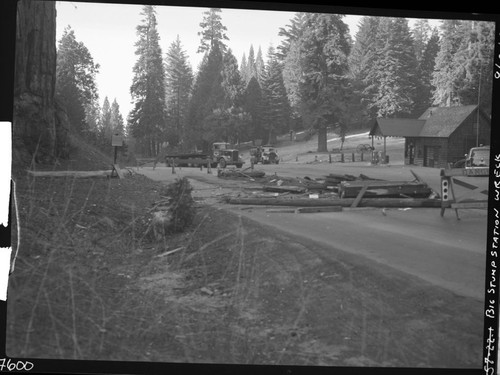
360	195
478	204
469	186
307	210
119	172
453	172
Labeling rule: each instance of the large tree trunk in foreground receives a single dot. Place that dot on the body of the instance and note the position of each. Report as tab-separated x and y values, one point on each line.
38	127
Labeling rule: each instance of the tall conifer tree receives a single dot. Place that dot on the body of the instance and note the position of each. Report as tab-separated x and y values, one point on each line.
213	31
178	84
147	118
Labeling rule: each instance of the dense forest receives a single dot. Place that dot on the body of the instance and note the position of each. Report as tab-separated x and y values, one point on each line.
318	78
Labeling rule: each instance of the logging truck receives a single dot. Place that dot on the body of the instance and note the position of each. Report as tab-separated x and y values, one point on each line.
222	154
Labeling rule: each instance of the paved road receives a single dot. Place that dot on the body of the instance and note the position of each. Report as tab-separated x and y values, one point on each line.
441	250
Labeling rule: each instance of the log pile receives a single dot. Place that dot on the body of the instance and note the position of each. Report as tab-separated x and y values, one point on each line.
335	190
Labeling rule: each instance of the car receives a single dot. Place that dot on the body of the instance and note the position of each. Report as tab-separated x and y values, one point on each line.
477	161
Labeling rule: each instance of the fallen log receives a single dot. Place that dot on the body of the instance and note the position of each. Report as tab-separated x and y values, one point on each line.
350	189
75	174
346	202
309	210
284	189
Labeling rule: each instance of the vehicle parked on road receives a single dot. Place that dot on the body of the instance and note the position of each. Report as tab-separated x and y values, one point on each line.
222	154
270	155
476	162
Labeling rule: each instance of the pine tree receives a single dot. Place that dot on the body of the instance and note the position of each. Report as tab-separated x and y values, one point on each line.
178	84
471	60
244	69
443	79
363	50
251	71
254	106
147	118
421	34
259	66
116	120
397	74
213	31
325	47
106	126
207	96
75	79
425	71
291	33
277	107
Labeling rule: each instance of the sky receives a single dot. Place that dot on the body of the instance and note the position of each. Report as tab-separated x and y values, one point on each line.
109	33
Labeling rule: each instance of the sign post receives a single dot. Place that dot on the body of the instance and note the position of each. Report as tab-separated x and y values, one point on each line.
116	141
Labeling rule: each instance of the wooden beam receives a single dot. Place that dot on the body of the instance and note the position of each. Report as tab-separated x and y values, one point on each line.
346	202
360	195
116	168
478	204
308	210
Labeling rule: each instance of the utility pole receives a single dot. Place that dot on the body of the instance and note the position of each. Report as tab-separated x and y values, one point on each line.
478	107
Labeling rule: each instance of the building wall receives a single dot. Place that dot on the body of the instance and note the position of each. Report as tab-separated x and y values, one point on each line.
429	152
465	137
439	152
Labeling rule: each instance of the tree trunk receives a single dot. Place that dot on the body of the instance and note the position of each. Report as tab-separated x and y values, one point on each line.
36	123
322	139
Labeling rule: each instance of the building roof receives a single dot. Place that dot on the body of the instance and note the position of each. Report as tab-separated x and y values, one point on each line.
435	122
397	127
442	121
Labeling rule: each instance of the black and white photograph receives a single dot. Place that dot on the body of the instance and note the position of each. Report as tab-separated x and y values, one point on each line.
278	185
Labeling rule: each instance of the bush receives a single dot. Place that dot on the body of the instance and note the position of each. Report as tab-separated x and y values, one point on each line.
181	207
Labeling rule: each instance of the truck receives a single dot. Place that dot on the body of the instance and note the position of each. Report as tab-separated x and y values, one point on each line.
221	154
264	154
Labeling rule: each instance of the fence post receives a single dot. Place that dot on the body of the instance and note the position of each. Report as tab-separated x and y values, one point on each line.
173	165
330	157
353	157
342	157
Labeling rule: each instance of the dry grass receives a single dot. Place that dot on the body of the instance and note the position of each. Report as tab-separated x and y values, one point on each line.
88	276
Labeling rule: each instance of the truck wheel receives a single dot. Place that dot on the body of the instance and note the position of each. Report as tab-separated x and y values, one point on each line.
222	163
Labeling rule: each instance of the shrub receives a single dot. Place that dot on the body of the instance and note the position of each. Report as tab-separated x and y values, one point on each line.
181	206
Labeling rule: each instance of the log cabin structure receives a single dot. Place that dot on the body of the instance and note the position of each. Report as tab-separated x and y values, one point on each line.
439	137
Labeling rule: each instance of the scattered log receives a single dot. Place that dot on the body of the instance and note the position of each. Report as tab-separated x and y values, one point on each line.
237	173
284	189
350	189
308	210
75	174
346	202
359	196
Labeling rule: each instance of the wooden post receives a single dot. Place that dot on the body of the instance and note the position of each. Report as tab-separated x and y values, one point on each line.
209	167
330	158
173	165
342	157
353	157
362	153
